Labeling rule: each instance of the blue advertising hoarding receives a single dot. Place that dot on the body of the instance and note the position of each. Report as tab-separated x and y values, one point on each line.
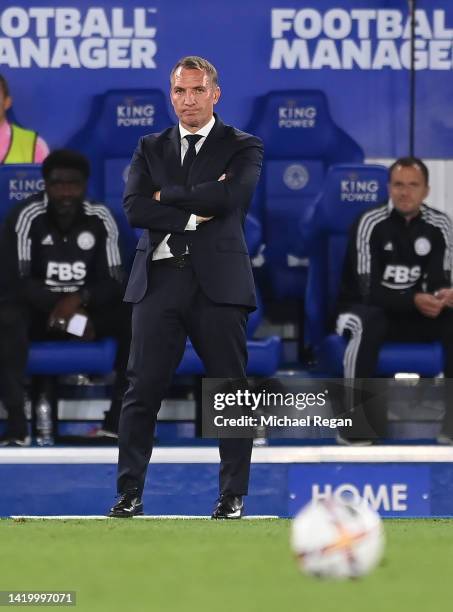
59	56
397	490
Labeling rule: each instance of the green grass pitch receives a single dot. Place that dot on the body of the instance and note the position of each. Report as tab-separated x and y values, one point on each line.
207	566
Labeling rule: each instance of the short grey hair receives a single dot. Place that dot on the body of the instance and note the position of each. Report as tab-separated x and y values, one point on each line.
194	62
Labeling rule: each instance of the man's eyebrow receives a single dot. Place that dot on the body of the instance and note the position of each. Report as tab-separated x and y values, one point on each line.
195	87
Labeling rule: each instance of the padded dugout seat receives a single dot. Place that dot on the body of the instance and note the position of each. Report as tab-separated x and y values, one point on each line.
350	190
301	140
17	182
72	357
118	119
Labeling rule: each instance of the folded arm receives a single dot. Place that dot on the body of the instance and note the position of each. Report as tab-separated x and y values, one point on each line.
142	210
219	197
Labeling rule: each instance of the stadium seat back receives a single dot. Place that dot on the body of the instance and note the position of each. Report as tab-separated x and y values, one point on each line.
301	141
118	119
349	190
17	183
114	189
126	116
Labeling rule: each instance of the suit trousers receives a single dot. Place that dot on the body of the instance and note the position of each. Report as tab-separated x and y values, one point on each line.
173	309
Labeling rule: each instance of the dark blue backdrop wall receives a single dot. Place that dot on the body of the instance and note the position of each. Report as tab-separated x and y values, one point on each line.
57	56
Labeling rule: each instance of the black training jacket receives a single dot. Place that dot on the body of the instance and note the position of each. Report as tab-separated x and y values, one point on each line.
388	260
39	263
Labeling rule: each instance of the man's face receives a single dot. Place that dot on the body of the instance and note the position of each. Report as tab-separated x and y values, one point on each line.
408	190
65	189
5	104
193	97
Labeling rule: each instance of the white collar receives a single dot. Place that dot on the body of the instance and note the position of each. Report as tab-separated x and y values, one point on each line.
204	131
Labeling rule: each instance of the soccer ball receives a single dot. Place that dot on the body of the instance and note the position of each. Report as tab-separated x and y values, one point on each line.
337	539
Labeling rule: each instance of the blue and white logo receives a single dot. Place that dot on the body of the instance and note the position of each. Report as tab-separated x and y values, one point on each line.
296	177
422	246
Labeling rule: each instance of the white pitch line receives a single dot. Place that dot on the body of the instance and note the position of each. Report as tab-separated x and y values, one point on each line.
146	517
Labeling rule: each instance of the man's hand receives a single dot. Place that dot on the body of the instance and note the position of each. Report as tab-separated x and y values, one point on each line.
65	308
429	305
156	196
203	219
446	296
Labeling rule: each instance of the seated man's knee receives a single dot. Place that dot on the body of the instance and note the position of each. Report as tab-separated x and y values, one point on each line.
364	320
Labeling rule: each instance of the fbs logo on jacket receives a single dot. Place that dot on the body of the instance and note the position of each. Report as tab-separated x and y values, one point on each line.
401	277
65	272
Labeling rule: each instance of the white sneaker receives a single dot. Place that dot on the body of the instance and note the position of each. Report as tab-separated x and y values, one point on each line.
19	442
444	439
341	441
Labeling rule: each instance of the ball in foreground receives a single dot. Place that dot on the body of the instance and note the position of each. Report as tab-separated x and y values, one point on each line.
337	539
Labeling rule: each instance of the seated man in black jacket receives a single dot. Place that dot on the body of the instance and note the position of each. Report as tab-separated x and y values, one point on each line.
396	283
60	258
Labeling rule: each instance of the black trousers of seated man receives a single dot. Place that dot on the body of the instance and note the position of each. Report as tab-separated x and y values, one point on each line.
370	326
20	324
173	309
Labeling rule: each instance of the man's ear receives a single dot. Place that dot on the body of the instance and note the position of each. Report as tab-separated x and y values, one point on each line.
217	93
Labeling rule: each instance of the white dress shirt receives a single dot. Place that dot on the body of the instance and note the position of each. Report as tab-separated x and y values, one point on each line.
163	250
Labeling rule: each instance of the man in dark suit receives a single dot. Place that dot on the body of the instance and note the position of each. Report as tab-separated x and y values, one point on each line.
189	187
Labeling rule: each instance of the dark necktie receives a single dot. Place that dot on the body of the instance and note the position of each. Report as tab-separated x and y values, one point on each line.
177	242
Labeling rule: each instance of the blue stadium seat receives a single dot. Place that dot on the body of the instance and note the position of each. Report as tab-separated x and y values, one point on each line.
349	190
301	141
17	182
72	357
118	119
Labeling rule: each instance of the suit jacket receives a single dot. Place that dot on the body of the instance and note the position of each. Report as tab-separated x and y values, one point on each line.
218	249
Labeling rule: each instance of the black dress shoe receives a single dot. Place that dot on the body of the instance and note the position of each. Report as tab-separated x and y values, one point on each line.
228	507
129	505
